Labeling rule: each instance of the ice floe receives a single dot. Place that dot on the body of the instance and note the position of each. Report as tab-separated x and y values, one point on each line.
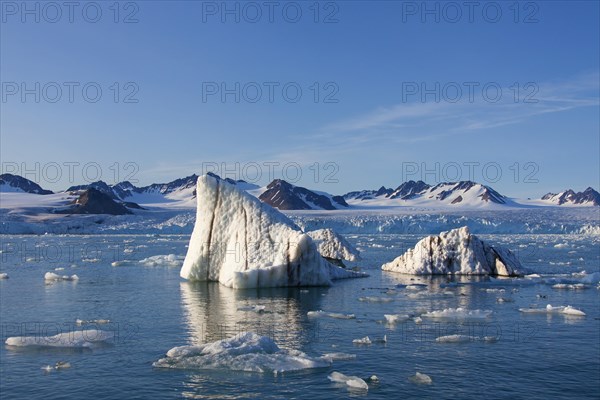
395	318
169	260
74	339
321	313
365	340
4	275
352	381
549	309
51	277
245	351
458	314
421	379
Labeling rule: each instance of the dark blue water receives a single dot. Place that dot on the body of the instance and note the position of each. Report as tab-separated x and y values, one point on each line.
152	310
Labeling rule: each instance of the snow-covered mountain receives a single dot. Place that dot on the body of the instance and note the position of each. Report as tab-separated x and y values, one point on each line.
419	193
285	196
589	197
16	183
182	189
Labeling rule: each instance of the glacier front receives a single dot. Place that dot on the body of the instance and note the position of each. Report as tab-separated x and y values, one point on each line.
244	243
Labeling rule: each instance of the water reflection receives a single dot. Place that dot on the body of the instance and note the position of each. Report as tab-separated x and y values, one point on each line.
215	312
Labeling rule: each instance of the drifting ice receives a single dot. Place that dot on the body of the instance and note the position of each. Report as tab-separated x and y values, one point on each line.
245	351
568	310
455	252
458	314
85	338
52	277
243	243
352	381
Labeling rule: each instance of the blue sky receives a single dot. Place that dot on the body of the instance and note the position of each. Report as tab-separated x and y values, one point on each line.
388	108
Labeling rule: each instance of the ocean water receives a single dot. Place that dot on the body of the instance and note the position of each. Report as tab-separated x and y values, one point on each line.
151	310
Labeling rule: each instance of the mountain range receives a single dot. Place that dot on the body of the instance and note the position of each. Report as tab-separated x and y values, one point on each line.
286	196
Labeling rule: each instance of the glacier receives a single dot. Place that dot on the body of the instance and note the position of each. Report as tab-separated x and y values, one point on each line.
243	243
456	252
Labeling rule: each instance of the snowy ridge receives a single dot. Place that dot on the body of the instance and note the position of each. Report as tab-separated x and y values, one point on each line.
589	197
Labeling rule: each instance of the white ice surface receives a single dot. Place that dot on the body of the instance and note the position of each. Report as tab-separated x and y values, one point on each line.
455	252
245	351
243	243
84	338
352	381
459	313
332	245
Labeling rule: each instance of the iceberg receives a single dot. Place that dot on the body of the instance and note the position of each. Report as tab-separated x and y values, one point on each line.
321	313
4	275
456	252
245	351
243	243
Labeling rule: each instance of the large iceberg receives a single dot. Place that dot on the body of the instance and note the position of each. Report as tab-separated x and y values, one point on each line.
456	252
243	243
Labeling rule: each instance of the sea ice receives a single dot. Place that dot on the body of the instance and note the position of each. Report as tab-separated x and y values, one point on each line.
169	260
245	351
566	310
75	339
395	318
421	379
458	314
454	339
4	275
352	381
321	313
373	299
338	356
455	252
365	340
50	277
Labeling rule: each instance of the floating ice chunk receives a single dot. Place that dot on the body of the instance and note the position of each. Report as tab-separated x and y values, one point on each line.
244	243
415	286
458	314
50	277
62	365
494	290
372	299
374	378
4	275
454	339
566	310
561	245
352	381
255	308
169	260
533	276
395	318
321	313
338	356
569	286
504	300
84	338
418	320
48	368
245	351
93	321
456	252
333	246
421	379
364	340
